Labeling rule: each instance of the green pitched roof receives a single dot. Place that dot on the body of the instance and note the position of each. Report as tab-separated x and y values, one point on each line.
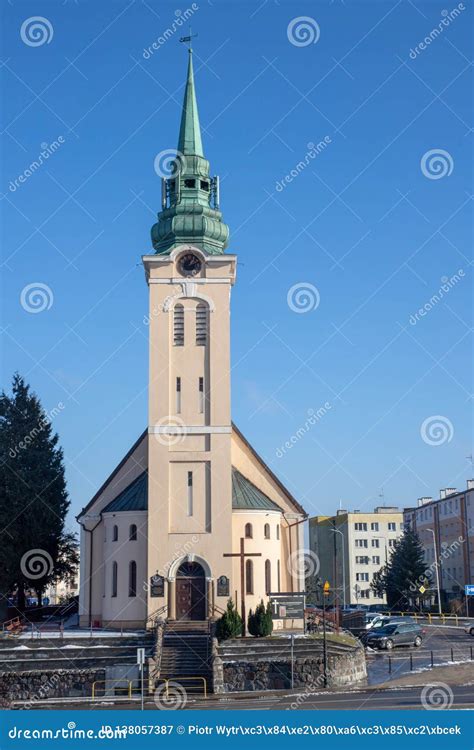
133	497
245	496
189	141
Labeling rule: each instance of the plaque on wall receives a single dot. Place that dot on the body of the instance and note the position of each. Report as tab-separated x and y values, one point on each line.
157	586
223	586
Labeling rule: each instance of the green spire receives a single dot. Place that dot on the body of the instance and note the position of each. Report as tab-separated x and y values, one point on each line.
190	212
189	141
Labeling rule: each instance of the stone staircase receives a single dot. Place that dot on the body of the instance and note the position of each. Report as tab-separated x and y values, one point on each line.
186	655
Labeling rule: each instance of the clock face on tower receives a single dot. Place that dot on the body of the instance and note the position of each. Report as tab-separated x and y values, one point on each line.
189	264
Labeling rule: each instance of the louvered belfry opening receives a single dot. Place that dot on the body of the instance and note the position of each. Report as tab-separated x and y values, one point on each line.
178	325
201	325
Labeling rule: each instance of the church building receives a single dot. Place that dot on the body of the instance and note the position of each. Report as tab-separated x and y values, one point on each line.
192	515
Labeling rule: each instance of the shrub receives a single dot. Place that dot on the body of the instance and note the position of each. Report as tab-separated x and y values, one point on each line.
260	623
230	624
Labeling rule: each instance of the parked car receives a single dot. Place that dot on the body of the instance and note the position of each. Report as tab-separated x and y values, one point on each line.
469	628
371	618
396	634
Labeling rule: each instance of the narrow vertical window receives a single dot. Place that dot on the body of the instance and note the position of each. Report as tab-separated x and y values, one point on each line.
114	578
201	325
115	534
266	531
201	395
249	577
278	531
132	578
132	536
178	395
178	325
248	531
190	493
268	576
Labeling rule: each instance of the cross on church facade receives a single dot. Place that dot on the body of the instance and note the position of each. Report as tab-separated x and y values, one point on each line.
242	554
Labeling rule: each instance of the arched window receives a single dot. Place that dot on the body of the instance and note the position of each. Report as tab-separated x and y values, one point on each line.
266	531
248	531
201	324
278	531
132	578
249	577
178	325
132	535
268	576
115	534
114	578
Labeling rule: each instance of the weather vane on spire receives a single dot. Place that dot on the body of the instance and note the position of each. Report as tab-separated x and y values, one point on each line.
188	39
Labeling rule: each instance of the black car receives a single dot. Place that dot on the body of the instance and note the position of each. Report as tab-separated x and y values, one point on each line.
397	634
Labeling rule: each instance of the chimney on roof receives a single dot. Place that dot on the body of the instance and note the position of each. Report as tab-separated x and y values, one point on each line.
424	500
443	494
470	484
341	512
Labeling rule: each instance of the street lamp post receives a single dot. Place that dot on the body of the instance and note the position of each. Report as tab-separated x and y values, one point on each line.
440	609
337	531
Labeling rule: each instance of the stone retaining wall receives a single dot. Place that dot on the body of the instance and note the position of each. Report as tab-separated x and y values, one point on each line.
241	672
42	684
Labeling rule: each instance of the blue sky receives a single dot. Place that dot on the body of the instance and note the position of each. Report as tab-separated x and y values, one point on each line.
363	223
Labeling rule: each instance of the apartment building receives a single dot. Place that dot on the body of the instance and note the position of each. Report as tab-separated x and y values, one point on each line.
446	530
351	547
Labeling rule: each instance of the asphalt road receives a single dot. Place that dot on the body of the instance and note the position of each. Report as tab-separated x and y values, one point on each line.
446	643
398	698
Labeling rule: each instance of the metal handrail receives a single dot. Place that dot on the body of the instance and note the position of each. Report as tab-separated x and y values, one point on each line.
179	680
129	684
153	616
